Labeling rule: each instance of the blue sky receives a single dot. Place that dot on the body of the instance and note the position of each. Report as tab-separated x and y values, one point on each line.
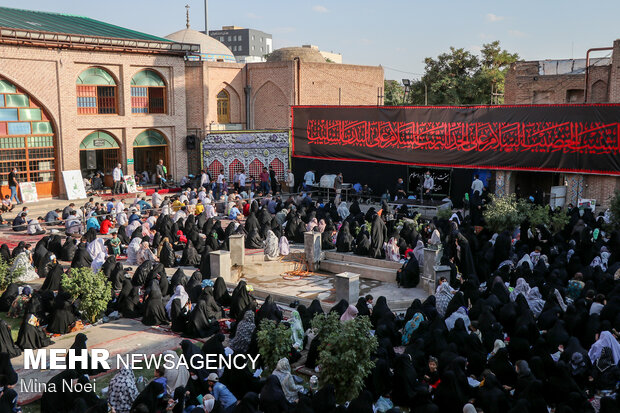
395	34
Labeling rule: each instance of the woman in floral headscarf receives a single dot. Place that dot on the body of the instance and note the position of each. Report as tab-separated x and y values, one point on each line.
122	391
411	326
241	343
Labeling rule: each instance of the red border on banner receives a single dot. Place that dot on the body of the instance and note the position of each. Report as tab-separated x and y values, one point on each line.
502	168
445	165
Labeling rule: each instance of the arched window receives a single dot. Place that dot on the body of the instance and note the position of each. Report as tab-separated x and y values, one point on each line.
96	92
148	92
27	139
223	107
256	167
214	169
278	167
235	167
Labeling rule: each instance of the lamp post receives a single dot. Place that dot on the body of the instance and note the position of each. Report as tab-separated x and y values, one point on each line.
406	84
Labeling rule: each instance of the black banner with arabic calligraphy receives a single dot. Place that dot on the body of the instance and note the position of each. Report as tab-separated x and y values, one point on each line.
570	138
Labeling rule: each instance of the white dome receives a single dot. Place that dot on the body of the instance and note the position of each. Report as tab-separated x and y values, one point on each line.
210	49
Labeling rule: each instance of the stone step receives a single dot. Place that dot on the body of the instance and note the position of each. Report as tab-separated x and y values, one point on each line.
365	271
357	259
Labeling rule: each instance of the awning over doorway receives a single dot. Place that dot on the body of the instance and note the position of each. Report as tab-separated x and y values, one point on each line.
150	138
99	140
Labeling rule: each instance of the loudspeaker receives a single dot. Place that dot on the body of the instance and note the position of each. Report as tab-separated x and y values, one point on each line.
91	159
190	142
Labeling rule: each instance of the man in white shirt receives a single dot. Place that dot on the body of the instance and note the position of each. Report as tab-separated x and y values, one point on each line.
34	227
236	181
121	218
117	177
210	211
308	180
290	181
183	198
202	196
204	179
119	207
477	186
242	180
181	213
73	225
429	183
157	199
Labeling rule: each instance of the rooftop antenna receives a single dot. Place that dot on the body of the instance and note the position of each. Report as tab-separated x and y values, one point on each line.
206	17
187	16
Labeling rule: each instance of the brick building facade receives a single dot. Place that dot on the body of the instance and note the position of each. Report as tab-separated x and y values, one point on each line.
104	95
564	81
52	83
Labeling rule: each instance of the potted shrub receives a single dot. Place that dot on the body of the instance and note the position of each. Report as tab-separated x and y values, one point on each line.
94	291
274	343
344	353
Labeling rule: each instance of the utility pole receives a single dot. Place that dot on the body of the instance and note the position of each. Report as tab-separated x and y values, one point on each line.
425	95
207	17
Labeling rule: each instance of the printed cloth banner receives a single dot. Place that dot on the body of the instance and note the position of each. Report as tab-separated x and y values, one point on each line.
130	181
74	184
28	191
571	138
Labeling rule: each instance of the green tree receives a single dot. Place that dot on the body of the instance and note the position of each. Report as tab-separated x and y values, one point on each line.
614	207
274	343
393	92
92	290
503	213
344	353
6	278
459	77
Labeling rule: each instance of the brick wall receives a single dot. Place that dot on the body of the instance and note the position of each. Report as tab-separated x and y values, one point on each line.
230	77
50	77
274	88
525	86
333	84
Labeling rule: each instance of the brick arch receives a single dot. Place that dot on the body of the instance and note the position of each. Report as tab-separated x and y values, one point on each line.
214	169
278	166
36	157
235	101
599	92
271	107
234	167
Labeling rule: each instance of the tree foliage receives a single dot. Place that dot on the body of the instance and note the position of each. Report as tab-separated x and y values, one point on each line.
542	215
274	342
344	353
393	92
507	213
459	77
503	213
6	278
92	290
614	207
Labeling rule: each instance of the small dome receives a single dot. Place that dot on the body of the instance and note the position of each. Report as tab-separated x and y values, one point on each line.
305	54
211	50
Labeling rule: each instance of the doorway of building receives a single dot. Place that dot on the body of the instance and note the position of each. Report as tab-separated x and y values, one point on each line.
148	148
99	152
536	184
